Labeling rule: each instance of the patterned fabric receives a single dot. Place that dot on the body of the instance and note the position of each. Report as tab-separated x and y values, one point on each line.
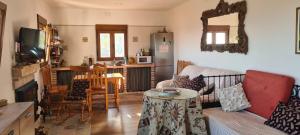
233	98
294	102
171	117
79	90
286	119
196	84
180	81
184	82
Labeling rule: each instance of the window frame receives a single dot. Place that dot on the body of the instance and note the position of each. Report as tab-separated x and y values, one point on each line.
214	29
111	29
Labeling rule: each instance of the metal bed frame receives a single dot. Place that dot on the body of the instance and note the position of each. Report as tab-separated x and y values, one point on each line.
209	98
296	91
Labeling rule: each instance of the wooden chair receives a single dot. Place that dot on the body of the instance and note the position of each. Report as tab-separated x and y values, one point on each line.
78	94
181	64
98	84
53	94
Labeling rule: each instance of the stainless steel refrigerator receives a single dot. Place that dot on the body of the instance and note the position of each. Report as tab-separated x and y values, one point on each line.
162	47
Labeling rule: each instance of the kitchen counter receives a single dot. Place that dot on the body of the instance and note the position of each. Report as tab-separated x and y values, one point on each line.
111	67
137	76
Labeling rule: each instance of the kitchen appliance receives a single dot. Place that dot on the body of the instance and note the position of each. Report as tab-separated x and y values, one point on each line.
162	48
144	59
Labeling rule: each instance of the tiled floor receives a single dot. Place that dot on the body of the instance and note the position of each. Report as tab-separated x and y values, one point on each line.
118	122
71	126
114	122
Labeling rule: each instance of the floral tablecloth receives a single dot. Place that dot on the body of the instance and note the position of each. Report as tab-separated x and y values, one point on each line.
180	115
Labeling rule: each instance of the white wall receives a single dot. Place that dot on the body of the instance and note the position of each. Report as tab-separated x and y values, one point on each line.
270	25
82	16
20	13
77	49
75	23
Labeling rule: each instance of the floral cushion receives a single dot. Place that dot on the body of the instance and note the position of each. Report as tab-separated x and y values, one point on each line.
233	98
196	84
286	119
180	81
294	102
79	90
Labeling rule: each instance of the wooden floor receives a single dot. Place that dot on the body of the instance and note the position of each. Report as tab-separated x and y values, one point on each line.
118	122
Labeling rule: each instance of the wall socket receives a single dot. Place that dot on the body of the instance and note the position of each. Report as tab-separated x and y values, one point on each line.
135	39
85	39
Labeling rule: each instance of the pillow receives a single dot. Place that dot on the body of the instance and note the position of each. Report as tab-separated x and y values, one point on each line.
196	84
286	119
233	98
265	90
294	102
180	81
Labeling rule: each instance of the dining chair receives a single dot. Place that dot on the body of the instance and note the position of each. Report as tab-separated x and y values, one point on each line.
53	94
79	84
98	84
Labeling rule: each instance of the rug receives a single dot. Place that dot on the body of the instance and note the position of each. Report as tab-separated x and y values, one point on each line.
70	126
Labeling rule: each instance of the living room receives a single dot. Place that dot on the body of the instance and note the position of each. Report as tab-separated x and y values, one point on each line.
265	48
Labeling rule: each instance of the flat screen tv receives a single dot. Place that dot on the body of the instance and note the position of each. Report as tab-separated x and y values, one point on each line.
32	44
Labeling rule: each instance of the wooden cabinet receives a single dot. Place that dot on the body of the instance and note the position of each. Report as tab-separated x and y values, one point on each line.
27	122
17	119
13	129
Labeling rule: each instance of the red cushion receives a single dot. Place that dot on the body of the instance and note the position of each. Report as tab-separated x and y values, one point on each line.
265	90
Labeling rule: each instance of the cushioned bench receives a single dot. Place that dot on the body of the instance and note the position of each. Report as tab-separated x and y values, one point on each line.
264	91
237	123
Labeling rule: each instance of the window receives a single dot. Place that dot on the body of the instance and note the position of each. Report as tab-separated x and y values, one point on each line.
217	35
111	42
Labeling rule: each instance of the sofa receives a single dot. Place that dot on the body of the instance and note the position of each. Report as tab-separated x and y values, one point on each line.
263	90
193	71
214	78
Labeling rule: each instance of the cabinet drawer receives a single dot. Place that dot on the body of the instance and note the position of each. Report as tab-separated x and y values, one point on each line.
13	129
27	122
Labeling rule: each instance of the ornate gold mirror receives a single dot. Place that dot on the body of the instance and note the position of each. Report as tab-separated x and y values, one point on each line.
224	28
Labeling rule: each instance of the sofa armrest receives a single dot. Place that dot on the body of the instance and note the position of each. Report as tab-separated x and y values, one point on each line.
164	84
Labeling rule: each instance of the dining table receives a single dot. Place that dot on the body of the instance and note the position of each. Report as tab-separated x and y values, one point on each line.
172	115
116	79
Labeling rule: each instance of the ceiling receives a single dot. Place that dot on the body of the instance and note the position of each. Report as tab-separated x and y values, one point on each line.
119	4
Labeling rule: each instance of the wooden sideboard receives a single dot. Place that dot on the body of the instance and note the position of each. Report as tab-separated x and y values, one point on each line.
17	119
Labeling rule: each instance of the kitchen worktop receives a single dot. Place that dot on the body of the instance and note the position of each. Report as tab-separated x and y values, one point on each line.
112	67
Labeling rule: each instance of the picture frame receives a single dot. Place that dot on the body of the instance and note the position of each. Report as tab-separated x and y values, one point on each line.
297	44
3	8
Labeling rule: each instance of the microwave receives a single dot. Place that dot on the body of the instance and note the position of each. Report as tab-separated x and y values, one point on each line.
144	59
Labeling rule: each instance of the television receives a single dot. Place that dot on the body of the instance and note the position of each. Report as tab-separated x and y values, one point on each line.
32	44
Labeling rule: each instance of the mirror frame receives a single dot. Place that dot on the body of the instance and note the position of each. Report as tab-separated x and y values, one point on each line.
224	8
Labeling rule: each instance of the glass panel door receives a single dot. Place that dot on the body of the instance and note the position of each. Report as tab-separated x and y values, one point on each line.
119	44
105	45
